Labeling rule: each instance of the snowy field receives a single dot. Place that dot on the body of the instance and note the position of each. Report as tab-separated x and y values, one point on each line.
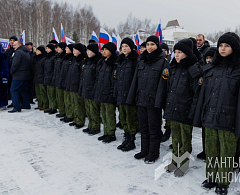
39	155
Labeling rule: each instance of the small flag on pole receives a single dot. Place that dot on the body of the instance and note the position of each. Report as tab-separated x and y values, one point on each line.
159	32
63	34
22	37
55	37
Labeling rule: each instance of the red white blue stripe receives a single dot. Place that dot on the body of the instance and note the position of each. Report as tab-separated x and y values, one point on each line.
63	34
159	32
22	37
114	39
55	37
94	37
104	37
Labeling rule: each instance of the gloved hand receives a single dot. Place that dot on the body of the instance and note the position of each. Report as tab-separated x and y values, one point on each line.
4	80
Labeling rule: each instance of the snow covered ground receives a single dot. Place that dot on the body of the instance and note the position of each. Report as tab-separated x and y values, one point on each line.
39	155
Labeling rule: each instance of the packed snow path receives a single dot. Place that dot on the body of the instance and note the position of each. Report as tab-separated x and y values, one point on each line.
39	155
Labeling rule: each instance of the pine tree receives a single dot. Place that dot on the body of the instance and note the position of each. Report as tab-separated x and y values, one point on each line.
75	37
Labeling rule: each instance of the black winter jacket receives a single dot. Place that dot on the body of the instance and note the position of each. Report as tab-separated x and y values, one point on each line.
147	77
20	69
57	68
67	62
106	77
203	49
88	76
39	69
49	68
126	67
73	75
184	84
219	100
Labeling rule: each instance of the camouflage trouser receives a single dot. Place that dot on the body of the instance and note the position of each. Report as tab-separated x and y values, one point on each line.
167	124
68	104
181	139
129	118
109	118
79	109
93	113
38	94
51	93
220	146
60	100
44	96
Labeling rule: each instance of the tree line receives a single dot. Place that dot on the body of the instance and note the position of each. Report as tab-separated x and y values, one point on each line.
37	17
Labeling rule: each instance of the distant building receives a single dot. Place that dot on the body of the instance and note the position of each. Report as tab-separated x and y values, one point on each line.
173	32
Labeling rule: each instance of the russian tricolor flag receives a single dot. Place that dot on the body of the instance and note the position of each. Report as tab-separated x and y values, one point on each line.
55	37
114	39
63	34
159	32
138	40
94	37
22	37
104	37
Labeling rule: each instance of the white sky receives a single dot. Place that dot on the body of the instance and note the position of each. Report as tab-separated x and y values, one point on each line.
201	16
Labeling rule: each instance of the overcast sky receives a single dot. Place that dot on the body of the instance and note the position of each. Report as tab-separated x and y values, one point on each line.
202	16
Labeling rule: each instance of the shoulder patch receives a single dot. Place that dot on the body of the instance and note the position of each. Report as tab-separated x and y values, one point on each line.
200	81
166	72
166	59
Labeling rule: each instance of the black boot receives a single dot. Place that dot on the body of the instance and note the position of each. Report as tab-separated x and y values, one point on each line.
93	132
67	120
53	111
48	110
222	189
60	115
109	139
208	184
130	144
153	153
72	124
119	125
78	126
166	135
86	130
125	141
102	137
14	110
144	148
202	155
64	118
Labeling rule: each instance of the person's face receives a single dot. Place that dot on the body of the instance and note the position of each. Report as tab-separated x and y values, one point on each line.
142	49
38	52
200	41
15	45
29	47
75	52
48	50
165	51
126	50
59	50
151	46
11	42
225	49
208	59
106	53
179	55
90	54
68	51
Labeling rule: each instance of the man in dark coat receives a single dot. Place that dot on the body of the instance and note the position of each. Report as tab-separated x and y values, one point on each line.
202	44
4	75
20	71
32	53
9	53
